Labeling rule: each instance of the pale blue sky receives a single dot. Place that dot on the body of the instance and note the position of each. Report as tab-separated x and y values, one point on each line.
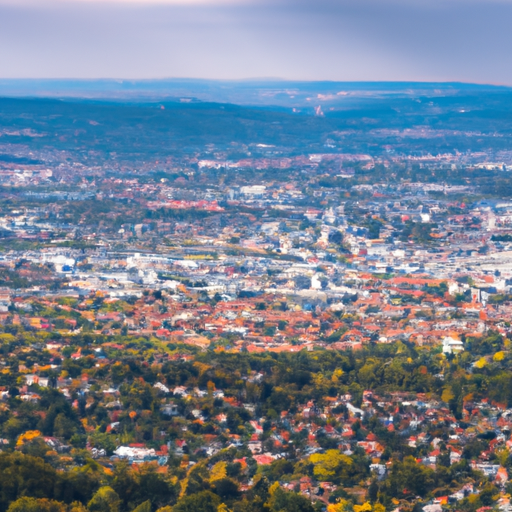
434	40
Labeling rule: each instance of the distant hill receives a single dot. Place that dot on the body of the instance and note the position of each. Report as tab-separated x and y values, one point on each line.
242	92
371	118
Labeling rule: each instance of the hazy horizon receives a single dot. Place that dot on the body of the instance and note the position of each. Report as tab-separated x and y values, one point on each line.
256	92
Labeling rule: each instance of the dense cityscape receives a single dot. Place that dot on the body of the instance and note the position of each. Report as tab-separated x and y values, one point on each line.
209	307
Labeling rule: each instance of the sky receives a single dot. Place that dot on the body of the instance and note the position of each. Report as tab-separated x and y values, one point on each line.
342	40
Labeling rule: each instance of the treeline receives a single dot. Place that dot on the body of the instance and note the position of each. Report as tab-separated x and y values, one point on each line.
28	484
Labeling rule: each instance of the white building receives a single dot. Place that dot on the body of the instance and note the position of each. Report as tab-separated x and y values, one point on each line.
452	346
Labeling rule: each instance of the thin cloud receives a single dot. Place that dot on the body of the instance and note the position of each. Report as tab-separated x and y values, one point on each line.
438	40
42	4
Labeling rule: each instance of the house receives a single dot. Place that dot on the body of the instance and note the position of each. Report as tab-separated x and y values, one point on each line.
161	387
170	410
452	346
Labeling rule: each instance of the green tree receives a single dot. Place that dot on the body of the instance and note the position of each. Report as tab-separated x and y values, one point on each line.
204	501
82	482
410	478
124	483
105	500
23	475
63	426
143	507
155	487
283	501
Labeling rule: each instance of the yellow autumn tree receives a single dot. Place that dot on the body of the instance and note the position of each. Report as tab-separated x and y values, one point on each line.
27	436
336	375
7	338
365	507
218	471
330	464
340	506
447	394
273	488
345	506
481	363
202	367
499	356
502	454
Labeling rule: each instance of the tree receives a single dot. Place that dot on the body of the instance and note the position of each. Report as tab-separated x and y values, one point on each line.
63	426
77	507
124	482
410	478
27	436
24	475
330	465
373	491
37	447
365	507
143	507
204	501
105	500
226	488
153	486
36	505
197	480
82	482
278	468
6	338
499	356
447	395
341	505
283	501
218	471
